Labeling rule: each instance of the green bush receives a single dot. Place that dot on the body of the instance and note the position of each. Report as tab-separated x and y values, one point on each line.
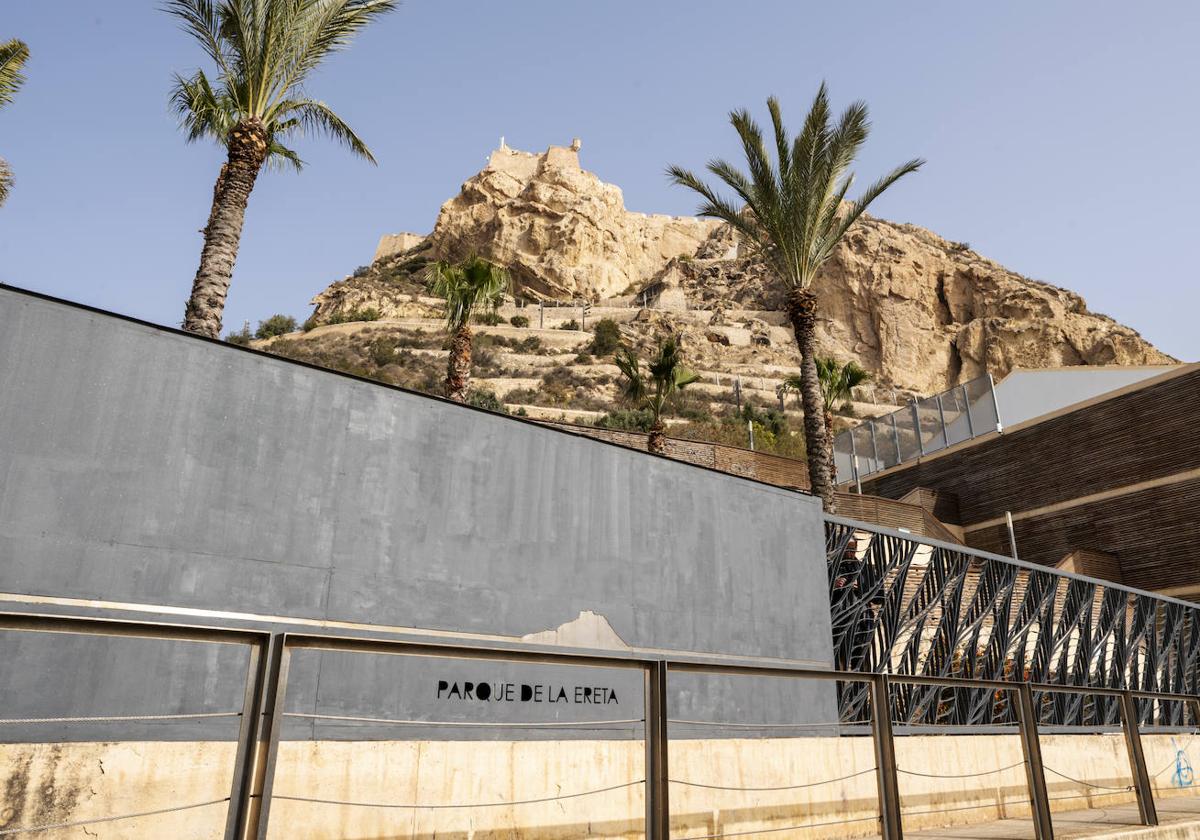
626	420
310	323
275	325
366	313
533	344
490	319
519	321
383	351
485	399
570	325
606	338
583	359
242	338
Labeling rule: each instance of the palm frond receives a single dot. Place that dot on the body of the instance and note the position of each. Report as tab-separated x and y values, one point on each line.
13	55
762	174
871	193
204	21
633	388
792	211
716	207
838	381
467	287
263	51
202	111
314	117
322	29
6	180
280	156
665	375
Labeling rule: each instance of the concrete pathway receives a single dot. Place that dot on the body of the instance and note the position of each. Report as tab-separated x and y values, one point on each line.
1179	818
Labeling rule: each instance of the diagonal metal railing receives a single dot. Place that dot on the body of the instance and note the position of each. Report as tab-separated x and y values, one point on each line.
909	606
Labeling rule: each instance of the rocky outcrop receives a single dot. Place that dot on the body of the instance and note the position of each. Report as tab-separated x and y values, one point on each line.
562	232
919	312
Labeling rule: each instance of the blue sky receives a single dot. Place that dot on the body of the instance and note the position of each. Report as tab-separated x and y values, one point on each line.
1061	137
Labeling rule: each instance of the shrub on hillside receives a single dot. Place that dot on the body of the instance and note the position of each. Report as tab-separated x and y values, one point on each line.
366	313
519	321
241	338
482	398
490	319
626	420
606	338
275	325
569	325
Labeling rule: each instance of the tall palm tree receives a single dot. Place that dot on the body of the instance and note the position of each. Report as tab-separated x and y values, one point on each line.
470	286
263	50
837	385
790	211
13	55
666	376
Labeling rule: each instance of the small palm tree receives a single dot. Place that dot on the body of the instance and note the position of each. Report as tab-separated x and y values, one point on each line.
837	385
667	375
264	50
471	286
13	55
792	213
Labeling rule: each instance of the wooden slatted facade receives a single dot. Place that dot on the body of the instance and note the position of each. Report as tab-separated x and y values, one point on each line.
1119	474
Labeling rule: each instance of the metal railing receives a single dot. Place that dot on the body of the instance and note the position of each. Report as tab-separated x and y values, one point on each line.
917	608
888	701
923	426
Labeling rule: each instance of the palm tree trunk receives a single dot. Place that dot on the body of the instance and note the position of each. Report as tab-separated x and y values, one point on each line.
829	433
458	367
247	147
802	310
657	442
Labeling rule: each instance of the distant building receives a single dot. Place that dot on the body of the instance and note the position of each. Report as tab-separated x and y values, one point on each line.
1099	468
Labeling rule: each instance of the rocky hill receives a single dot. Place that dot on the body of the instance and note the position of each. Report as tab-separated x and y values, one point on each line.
919	312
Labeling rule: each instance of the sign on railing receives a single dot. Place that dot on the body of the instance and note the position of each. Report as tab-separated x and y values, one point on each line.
923	426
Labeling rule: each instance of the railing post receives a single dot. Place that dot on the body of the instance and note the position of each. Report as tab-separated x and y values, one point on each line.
967	403
1035	772
942	417
658	807
1137	760
244	790
995	404
272	717
874	448
891	826
916	415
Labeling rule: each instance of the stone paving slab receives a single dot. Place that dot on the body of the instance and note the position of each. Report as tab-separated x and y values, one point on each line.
1179	819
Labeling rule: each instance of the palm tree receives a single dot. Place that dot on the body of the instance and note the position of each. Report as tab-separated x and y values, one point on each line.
666	376
837	385
470	286
263	50
791	213
13	55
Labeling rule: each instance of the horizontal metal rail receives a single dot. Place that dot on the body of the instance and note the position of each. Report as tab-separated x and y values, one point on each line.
265	694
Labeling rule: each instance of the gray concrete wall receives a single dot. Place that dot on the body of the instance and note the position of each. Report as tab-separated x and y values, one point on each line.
141	465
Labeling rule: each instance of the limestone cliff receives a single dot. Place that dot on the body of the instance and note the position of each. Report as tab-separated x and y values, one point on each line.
562	232
920	312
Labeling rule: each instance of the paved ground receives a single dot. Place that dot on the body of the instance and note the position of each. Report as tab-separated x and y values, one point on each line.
1179	817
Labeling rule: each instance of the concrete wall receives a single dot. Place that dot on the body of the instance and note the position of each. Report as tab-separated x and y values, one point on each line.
139	465
940	785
